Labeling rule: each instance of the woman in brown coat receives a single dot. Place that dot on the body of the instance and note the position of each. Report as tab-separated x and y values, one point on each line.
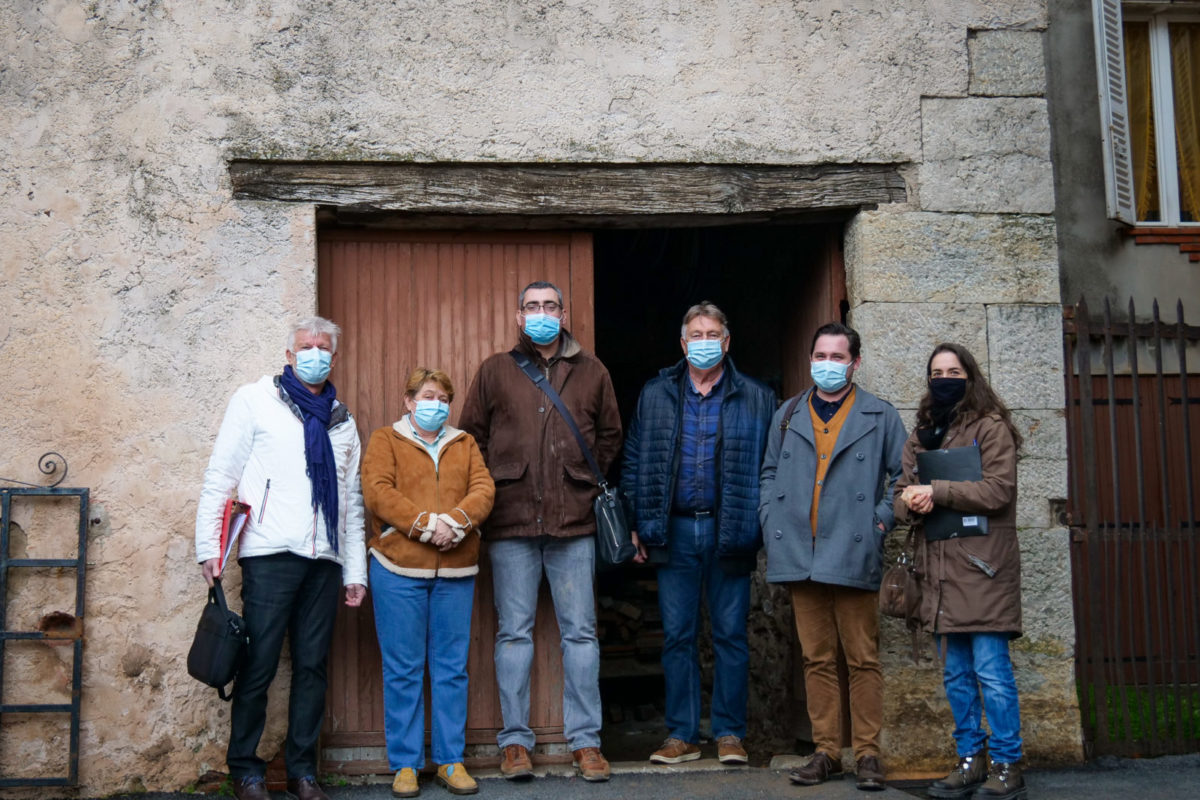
971	583
428	490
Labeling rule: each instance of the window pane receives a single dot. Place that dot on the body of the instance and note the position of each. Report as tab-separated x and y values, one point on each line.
1185	70
1140	95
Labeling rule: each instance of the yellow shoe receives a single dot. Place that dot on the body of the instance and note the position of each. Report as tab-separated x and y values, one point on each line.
455	778
405	784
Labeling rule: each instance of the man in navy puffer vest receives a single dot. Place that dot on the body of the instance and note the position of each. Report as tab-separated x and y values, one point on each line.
690	476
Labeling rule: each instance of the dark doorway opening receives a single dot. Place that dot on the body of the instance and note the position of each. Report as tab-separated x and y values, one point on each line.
776	284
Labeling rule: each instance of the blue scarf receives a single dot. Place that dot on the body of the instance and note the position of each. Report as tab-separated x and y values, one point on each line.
316	410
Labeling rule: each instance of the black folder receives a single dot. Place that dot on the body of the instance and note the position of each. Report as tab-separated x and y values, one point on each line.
955	464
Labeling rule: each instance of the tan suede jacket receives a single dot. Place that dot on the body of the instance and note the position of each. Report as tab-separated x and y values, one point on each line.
406	494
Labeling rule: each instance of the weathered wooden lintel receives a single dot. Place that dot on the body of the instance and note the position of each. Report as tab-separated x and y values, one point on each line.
575	190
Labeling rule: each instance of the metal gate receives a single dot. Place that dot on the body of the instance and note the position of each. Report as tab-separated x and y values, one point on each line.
1133	408
19	720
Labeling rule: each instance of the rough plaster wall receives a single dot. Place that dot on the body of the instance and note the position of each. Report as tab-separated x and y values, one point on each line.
138	295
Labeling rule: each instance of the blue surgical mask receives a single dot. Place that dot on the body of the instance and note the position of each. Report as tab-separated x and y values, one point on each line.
312	365
829	376
431	415
704	353
542	328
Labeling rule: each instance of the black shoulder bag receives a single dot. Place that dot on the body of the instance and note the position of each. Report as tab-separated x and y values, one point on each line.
219	647
614	544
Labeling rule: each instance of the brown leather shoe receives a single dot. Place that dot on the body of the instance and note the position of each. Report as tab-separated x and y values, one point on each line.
251	787
870	774
305	788
731	751
675	751
516	764
818	770
591	764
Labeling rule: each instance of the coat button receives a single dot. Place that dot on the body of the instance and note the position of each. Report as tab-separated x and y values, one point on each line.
858	537
781	495
778	534
862	496
859	456
539	520
541	409
787	453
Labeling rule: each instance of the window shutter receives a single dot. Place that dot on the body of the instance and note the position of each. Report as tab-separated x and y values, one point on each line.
1114	114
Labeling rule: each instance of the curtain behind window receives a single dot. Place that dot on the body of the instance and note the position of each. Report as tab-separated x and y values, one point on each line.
1185	64
1140	96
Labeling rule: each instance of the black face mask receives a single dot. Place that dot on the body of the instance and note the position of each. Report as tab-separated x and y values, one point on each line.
947	392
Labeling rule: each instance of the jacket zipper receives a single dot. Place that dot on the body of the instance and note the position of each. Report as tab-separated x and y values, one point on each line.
263	508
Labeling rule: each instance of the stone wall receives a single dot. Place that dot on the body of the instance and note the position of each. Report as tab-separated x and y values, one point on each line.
138	293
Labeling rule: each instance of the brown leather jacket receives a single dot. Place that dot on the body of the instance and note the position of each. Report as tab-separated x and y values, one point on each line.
543	483
958	595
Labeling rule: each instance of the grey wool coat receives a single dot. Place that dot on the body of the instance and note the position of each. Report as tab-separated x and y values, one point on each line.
856	495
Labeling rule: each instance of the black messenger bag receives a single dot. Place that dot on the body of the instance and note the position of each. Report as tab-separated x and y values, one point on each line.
219	647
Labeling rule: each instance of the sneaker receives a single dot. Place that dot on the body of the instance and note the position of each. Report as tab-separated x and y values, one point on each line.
963	780
818	770
730	750
516	764
455	778
251	787
1004	782
405	783
675	751
591	764
870	774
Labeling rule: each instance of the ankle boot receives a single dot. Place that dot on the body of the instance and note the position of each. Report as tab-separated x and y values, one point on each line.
965	778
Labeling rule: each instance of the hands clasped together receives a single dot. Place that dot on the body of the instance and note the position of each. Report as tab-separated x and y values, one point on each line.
918	498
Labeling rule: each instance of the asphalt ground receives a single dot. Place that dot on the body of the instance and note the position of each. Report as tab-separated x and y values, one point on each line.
1166	778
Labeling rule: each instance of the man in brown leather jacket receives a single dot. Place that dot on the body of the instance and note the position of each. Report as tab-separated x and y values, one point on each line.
542	519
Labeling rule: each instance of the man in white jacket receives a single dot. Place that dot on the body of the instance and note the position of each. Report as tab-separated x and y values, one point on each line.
290	450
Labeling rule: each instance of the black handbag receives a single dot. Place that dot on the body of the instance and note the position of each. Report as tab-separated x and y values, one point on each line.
614	544
219	647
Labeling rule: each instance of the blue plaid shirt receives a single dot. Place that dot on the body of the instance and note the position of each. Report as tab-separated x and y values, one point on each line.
696	484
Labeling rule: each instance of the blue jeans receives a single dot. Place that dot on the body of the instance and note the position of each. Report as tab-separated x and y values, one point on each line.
418	619
976	661
517	566
693	569
283	593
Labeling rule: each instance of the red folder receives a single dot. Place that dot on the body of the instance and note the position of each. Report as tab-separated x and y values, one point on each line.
232	521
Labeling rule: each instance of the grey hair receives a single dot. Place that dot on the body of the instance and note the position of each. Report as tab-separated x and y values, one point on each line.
317	326
539	285
704	309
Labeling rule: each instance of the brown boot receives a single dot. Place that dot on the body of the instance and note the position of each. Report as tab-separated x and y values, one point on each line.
1004	782
516	764
818	770
591	764
963	780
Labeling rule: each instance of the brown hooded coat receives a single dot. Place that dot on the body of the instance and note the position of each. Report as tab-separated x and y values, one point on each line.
958	596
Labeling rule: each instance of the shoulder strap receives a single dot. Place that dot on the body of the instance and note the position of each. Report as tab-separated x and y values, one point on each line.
539	380
787	414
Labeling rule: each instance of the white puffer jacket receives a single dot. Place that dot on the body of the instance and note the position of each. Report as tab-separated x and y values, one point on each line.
262	440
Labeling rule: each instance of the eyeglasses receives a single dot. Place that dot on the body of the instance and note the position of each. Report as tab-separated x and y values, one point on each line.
550	307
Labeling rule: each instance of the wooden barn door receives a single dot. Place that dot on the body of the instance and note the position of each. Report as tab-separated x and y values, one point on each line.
447	301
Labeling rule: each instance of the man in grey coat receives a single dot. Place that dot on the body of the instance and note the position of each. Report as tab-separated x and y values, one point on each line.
833	458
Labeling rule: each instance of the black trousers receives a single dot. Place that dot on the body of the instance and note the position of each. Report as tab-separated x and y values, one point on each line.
283	593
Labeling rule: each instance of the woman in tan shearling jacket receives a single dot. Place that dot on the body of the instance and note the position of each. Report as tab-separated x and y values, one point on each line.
428	490
971	584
